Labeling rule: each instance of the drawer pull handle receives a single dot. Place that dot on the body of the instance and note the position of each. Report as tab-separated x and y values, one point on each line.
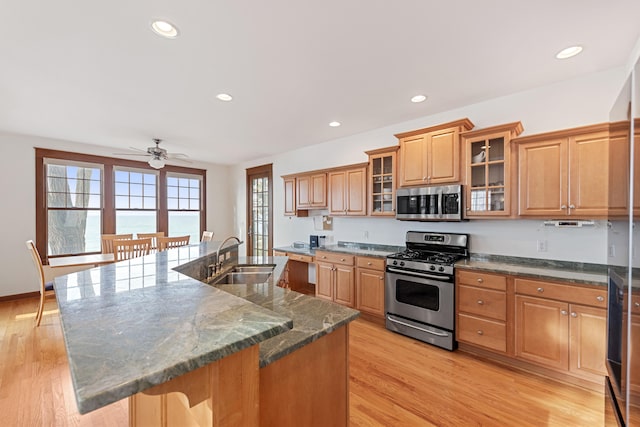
369	263
601	298
540	290
480	302
563	312
636	304
480	332
324	257
381	278
341	259
480	280
574	314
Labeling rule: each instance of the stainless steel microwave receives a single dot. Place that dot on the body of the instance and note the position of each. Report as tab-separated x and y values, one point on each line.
439	203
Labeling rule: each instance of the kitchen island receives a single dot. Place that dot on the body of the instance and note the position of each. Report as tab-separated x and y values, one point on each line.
141	328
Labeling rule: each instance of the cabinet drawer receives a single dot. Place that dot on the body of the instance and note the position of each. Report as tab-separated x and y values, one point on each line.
278	253
300	257
484	280
334	258
487	333
371	263
596	297
483	302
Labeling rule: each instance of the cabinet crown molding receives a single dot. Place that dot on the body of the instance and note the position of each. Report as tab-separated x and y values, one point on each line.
564	133
320	171
514	129
465	123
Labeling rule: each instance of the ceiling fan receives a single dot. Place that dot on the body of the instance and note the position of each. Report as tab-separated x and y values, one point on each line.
158	155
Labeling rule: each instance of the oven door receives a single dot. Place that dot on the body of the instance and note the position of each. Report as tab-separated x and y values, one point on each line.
421	297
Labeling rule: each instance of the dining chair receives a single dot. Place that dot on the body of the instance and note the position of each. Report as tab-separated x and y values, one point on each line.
46	288
131	248
107	241
207	236
152	236
172	242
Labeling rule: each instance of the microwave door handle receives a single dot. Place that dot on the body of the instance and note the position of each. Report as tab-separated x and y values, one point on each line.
441	203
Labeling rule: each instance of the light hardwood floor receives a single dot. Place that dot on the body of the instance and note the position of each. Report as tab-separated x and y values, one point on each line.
395	381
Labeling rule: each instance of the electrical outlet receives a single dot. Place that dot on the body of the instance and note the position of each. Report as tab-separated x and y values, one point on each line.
612	251
365	234
542	246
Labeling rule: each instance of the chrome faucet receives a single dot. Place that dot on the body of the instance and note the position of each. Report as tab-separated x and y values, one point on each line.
218	264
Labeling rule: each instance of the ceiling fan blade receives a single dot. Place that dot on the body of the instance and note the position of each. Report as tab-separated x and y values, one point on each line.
130	154
176	156
171	159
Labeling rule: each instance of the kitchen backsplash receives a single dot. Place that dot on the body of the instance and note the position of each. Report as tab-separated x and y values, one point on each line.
523	238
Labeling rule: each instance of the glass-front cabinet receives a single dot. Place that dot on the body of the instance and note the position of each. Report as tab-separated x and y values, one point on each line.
488	170
382	181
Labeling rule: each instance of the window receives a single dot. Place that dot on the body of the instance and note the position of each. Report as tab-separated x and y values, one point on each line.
183	205
73	202
136	194
79	197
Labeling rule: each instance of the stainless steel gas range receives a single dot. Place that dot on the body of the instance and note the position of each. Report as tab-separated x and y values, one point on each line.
420	284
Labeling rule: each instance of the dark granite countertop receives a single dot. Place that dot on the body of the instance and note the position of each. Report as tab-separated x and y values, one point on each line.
572	272
353	248
135	324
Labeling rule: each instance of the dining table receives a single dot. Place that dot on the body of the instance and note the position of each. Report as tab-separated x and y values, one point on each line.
91	260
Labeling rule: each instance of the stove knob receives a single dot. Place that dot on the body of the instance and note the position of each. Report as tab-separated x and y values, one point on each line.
433	267
395	262
441	268
401	263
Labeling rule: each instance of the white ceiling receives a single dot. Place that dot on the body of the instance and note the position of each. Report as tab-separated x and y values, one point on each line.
93	72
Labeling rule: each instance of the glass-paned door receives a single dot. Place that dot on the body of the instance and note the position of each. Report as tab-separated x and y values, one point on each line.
259	211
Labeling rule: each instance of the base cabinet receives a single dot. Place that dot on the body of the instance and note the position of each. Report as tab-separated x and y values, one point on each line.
296	273
553	328
335	278
370	285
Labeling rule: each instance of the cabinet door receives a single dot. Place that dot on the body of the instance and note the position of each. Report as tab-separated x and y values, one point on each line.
337	189
543	178
588	174
290	196
588	328
356	191
619	174
344	290
319	190
542	331
303	187
443	157
413	160
324	281
370	291
382	183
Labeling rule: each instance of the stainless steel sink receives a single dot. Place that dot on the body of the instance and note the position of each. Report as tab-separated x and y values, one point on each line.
262	268
245	278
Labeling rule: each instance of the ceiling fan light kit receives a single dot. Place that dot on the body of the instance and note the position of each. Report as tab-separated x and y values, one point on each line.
156	163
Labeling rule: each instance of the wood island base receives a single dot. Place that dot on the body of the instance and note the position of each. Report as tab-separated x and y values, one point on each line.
235	392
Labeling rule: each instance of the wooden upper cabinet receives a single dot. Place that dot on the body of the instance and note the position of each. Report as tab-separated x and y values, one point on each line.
348	191
382	181
564	173
312	191
488	170
619	155
431	155
289	196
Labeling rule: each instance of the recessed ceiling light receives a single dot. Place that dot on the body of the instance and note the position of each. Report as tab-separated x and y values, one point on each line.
418	98
334	124
569	52
224	97
164	29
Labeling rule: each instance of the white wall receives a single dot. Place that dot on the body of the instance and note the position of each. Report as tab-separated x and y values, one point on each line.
17	174
581	101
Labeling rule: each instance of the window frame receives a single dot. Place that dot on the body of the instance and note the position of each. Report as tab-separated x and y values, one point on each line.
178	176
108	194
156	210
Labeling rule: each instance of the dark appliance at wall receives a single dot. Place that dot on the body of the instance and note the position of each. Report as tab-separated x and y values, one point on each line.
622	384
419	296
436	203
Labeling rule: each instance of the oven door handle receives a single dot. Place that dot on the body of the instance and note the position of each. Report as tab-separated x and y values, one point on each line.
440	334
416	274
